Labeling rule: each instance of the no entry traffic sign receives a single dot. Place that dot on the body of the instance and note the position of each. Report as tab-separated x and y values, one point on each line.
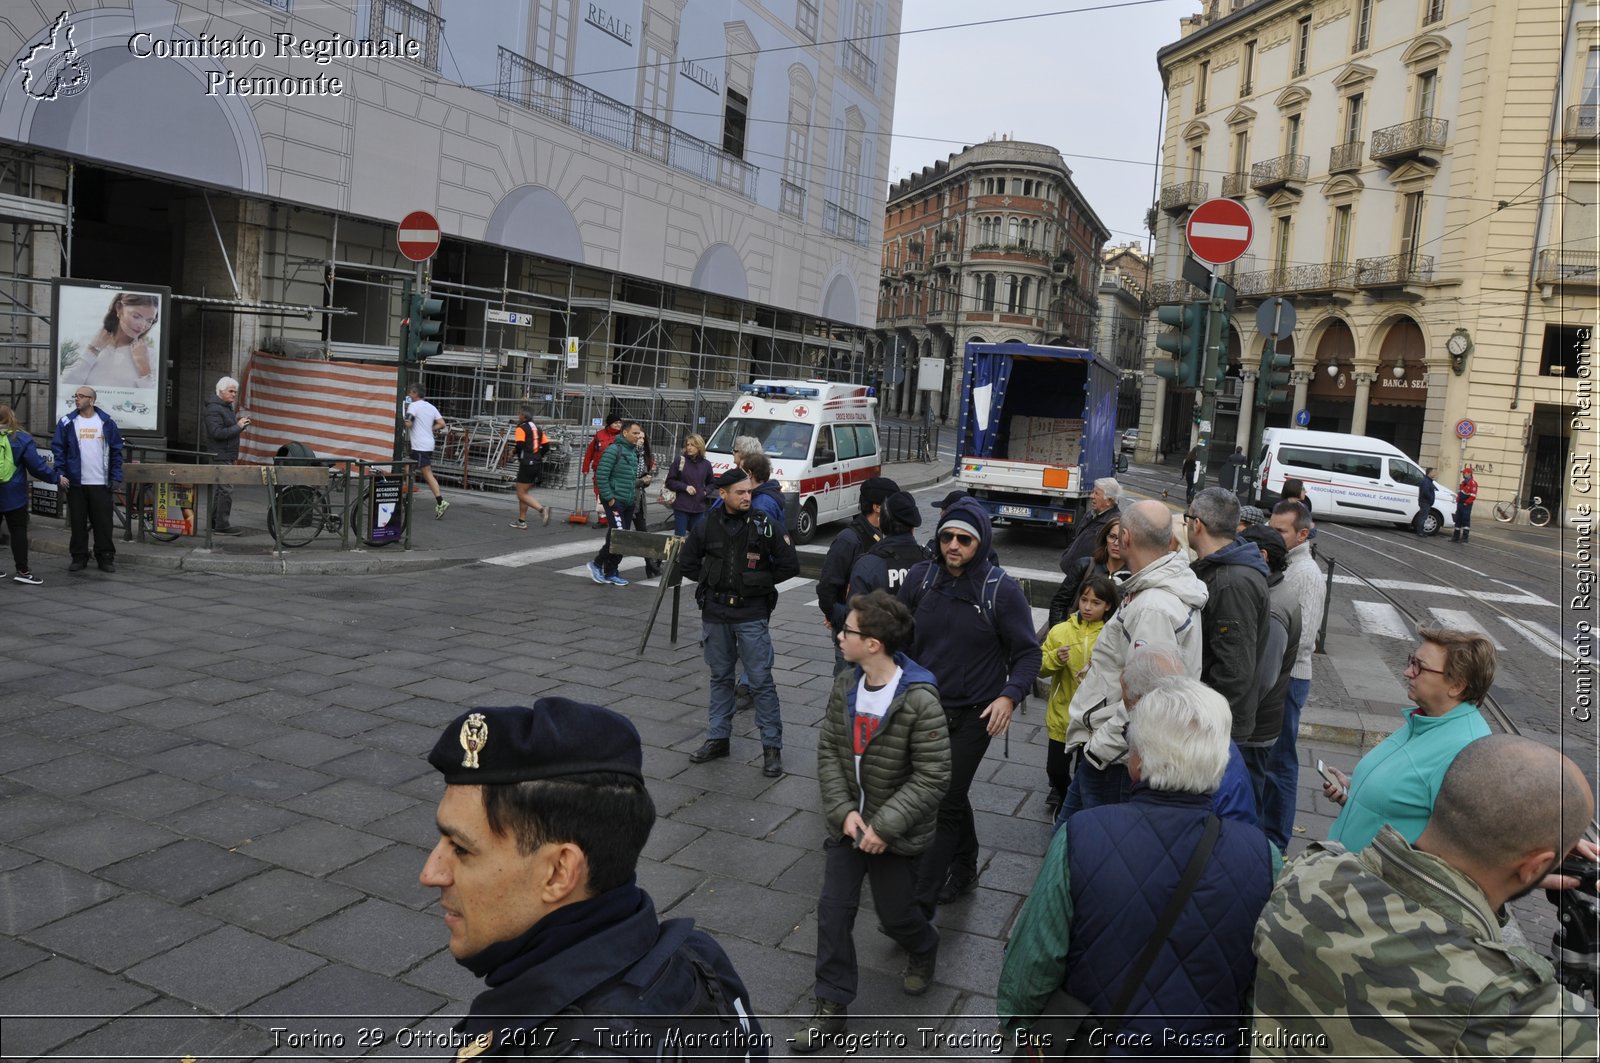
1219	231
419	236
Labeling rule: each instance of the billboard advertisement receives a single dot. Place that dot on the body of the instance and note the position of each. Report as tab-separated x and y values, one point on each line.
110	337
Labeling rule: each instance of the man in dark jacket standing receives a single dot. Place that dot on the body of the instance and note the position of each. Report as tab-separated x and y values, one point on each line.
975	634
223	427
864	532
87	447
1103	507
737	558
1234	625
1277	659
1427	491
542	820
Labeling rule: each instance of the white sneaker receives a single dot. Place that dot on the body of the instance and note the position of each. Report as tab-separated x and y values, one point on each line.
25	577
439	507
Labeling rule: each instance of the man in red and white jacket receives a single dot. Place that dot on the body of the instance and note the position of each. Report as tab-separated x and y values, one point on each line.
1466	494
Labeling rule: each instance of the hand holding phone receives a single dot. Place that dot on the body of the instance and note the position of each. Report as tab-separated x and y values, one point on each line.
1334	784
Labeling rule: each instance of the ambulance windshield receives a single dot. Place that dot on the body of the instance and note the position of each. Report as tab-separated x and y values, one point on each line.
780	439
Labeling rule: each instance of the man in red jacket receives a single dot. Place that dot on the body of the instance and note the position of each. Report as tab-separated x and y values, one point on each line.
597	446
1466	494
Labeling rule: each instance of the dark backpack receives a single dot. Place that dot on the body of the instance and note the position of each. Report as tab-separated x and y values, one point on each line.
669	1005
986	599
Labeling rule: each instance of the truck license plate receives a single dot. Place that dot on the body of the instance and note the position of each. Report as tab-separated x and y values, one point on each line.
1015	511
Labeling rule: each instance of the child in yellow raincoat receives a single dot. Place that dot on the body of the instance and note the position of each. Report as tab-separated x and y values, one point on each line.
1066	658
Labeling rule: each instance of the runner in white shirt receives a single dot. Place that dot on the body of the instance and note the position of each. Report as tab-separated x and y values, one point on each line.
421	417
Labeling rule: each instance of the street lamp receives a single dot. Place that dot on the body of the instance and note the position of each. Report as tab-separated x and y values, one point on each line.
1399	370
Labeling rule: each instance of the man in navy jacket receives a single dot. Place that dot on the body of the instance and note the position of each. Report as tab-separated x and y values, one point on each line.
975	634
88	450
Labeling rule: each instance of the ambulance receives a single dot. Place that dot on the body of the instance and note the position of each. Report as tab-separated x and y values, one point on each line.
822	438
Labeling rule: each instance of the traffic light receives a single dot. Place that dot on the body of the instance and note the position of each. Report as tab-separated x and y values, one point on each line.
1272	381
1187	345
422	327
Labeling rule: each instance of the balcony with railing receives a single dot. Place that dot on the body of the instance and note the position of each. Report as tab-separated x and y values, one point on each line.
1345	158
1582	122
859	65
1174	291
1184	196
1308	279
1235	185
389	18
791	198
836	221
1394	271
1559	265
1286	171
1422	138
527	84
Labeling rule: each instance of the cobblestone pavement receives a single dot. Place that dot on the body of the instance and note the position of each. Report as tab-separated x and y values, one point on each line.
214	803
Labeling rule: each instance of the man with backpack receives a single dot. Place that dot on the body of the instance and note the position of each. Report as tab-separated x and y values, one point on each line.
737	558
975	634
542	820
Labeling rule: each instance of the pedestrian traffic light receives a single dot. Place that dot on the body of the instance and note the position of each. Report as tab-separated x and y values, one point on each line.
1187	345
422	326
1272	380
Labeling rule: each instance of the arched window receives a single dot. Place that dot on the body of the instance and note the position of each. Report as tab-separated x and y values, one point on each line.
1022	299
797	142
988	291
1011	293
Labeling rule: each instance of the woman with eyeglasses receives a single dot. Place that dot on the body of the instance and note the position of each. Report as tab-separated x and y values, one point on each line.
975	634
1397	782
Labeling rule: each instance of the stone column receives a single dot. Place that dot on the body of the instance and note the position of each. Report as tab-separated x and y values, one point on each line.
1247	409
1301	381
1152	411
1358	416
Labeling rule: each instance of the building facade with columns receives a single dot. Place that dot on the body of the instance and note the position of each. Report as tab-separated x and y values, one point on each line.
649	194
993	244
1421	177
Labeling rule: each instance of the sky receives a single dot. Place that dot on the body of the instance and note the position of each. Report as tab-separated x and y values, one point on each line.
1083	81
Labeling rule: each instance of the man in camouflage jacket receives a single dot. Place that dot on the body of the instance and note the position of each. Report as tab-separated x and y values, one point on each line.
1396	952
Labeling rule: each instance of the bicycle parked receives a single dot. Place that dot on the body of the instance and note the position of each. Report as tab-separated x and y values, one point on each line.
305	512
143	513
1506	511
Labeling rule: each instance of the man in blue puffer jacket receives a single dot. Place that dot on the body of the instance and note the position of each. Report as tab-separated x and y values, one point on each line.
14	491
1109	875
87	446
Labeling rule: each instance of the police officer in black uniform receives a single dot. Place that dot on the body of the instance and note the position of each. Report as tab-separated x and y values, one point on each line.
885	564
864	532
541	824
737	558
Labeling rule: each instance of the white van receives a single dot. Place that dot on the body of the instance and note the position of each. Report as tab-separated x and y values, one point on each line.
1347	477
822	438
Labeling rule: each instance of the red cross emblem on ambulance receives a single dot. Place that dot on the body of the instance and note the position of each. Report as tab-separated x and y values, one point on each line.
747	407
800	411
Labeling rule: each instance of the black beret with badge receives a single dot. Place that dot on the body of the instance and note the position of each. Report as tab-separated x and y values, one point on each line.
557	737
733	476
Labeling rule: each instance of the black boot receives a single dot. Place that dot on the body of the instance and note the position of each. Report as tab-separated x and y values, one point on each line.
710	749
771	762
1455	536
827	1020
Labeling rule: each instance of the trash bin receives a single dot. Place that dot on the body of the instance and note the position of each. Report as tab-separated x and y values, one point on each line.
297	453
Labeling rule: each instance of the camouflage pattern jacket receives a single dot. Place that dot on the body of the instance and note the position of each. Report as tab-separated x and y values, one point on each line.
1393	953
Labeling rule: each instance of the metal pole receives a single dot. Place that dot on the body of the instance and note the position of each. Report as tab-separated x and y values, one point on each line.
1327	607
1208	385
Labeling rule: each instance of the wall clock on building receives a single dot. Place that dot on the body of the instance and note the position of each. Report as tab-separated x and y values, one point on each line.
1458	345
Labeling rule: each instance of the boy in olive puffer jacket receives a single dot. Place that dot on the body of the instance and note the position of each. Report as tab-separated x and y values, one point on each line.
883	762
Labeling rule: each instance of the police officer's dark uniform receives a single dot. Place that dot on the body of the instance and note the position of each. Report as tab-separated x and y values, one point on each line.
884	565
601	977
737	561
843	553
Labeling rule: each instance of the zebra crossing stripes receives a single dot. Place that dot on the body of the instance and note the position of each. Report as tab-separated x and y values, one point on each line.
1461	620
1544	638
1381	618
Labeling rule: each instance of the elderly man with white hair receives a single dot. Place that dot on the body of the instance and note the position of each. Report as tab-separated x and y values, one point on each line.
1113	871
223	427
1103	509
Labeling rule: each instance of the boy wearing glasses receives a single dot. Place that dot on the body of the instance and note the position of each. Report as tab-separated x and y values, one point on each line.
883	763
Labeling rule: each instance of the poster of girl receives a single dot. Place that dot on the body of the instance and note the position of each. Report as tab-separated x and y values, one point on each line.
109	337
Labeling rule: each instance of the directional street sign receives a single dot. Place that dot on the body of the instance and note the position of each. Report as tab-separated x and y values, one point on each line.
506	317
1275	318
419	236
1302	418
1219	231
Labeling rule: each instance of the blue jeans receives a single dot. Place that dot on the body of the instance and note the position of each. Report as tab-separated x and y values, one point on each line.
1091	787
726	645
684	523
1257	761
1283	769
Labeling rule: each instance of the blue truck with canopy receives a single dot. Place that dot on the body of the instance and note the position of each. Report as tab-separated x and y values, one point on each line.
1038	427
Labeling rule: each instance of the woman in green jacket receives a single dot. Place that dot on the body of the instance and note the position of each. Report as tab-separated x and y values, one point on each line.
883	762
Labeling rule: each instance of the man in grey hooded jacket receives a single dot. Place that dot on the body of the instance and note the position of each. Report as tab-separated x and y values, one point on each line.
1161	604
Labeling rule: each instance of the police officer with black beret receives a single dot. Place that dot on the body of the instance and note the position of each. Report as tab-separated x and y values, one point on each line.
541	824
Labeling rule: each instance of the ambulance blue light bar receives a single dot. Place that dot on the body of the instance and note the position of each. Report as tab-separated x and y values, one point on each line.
779	391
